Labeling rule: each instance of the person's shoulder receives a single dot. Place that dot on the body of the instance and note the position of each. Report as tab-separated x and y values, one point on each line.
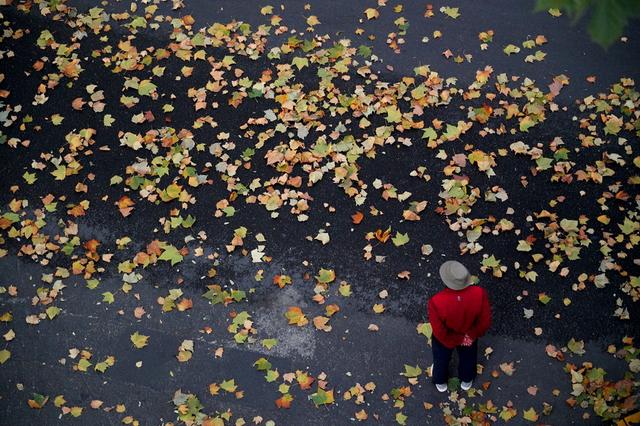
476	289
439	295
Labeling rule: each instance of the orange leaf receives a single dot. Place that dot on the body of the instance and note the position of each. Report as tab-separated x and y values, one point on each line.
77	104
184	304
357	217
92	245
284	401
125	202
382	236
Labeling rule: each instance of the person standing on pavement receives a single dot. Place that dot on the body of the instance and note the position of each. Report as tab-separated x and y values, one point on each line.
459	315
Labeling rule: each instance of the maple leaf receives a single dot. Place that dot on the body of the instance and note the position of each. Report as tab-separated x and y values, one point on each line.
282	280
269	343
400	239
296	317
361	415
410	371
371	13
507	368
357	217
284	401
322	397
229	385
530	415
383	236
4	356
38	401
320	323
452	12
576	346
171	254
326	276
139	340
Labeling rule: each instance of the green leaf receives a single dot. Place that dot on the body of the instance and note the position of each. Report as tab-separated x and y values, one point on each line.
107	297
139	340
4	356
364	51
345	289
83	364
322	397
576	346
92	283
491	262
228	385
146	87
530	415
300	62
138	22
508	413
272	375
543	298
269	343
326	276
569	225
56	119
39	399
172	191
262	364
430	134
426	330
608	20
628	226
393	114
510	49
52	312
452	12
401	419
410	371
543	163
30	178
108	120
400	239
171	254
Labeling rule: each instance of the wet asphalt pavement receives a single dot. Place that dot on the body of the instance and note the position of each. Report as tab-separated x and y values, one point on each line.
350	353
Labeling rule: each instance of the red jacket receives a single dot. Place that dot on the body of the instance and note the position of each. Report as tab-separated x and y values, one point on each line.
454	313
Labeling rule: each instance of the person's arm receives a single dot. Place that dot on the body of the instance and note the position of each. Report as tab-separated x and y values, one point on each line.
440	330
483	321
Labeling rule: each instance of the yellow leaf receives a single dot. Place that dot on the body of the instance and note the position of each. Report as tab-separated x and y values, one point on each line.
371	13
312	20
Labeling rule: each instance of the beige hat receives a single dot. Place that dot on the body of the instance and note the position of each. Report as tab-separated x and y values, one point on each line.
455	275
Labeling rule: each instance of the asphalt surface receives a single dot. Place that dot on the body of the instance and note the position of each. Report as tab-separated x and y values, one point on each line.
350	353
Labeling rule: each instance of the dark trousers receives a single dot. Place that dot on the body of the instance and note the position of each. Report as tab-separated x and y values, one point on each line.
467	360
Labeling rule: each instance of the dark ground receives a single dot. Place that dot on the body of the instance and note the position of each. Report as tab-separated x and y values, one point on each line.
349	354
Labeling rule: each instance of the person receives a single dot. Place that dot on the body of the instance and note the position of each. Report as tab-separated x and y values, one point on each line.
459	314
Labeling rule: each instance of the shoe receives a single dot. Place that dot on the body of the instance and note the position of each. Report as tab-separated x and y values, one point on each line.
465	385
442	387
